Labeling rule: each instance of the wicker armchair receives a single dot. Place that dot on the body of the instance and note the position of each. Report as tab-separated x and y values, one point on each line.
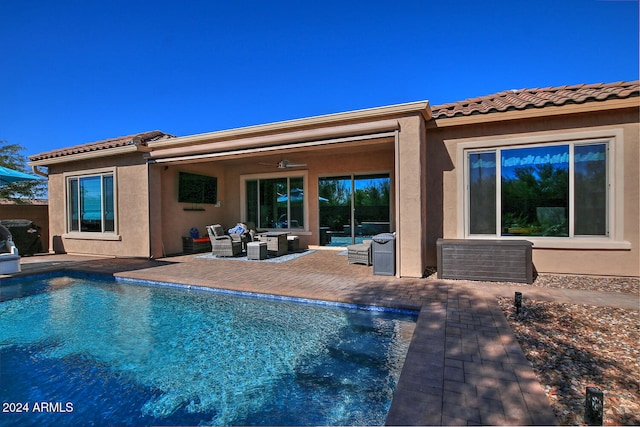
222	244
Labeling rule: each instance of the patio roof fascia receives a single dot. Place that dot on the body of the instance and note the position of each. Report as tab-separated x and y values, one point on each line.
377	138
277	141
333	126
288	126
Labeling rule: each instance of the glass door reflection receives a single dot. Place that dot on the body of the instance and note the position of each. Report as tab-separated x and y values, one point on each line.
353	208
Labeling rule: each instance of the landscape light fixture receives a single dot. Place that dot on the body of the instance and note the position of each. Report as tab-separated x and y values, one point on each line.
594	406
518	302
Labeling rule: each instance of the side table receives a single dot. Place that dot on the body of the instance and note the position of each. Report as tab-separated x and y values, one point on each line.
276	242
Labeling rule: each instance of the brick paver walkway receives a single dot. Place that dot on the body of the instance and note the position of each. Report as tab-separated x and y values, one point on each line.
464	365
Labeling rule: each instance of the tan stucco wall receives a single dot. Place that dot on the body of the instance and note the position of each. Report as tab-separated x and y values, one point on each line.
178	218
132	206
410	161
623	259
156	216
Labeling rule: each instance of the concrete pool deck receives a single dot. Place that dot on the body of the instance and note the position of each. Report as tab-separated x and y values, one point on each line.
464	365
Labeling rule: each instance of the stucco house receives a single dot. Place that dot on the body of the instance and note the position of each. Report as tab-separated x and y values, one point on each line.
555	166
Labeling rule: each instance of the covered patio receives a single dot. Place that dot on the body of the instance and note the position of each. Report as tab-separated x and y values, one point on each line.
331	180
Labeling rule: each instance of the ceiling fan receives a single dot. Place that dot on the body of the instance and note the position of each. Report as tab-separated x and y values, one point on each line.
284	164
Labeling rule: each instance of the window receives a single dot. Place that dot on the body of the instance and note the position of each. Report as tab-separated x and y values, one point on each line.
91	203
275	202
482	193
552	190
591	189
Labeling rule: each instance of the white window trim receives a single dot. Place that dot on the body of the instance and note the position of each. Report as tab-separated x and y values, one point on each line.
615	177
91	235
283	174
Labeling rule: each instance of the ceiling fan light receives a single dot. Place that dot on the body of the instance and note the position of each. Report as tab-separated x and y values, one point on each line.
284	164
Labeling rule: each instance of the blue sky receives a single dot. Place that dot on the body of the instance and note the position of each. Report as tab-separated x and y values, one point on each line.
74	72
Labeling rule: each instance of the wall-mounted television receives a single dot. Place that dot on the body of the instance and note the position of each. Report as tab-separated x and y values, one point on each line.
193	188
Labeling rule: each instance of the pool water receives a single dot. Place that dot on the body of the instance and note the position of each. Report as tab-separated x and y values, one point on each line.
88	351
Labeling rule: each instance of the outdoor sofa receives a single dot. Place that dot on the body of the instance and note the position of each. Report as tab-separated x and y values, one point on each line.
9	257
360	253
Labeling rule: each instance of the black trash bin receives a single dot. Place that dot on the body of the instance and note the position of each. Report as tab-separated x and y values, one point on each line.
384	254
26	235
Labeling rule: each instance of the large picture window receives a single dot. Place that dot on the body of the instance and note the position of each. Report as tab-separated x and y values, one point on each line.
557	190
91	203
275	202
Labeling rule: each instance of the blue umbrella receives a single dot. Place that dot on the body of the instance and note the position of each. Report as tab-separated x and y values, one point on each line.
297	195
8	176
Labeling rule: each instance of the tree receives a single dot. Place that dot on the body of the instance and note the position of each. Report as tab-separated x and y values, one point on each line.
533	191
336	191
19	192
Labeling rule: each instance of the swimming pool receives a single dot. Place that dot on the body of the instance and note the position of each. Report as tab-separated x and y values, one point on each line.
86	350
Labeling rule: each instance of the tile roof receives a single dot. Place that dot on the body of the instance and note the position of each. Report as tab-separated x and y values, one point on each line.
511	100
139	139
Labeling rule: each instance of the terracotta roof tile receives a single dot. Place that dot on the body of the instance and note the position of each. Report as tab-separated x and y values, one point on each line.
537	98
509	100
140	139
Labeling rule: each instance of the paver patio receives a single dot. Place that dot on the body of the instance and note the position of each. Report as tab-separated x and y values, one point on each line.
464	365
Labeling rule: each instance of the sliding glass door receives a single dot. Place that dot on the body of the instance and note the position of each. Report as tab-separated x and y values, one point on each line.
371	206
335	210
353	208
